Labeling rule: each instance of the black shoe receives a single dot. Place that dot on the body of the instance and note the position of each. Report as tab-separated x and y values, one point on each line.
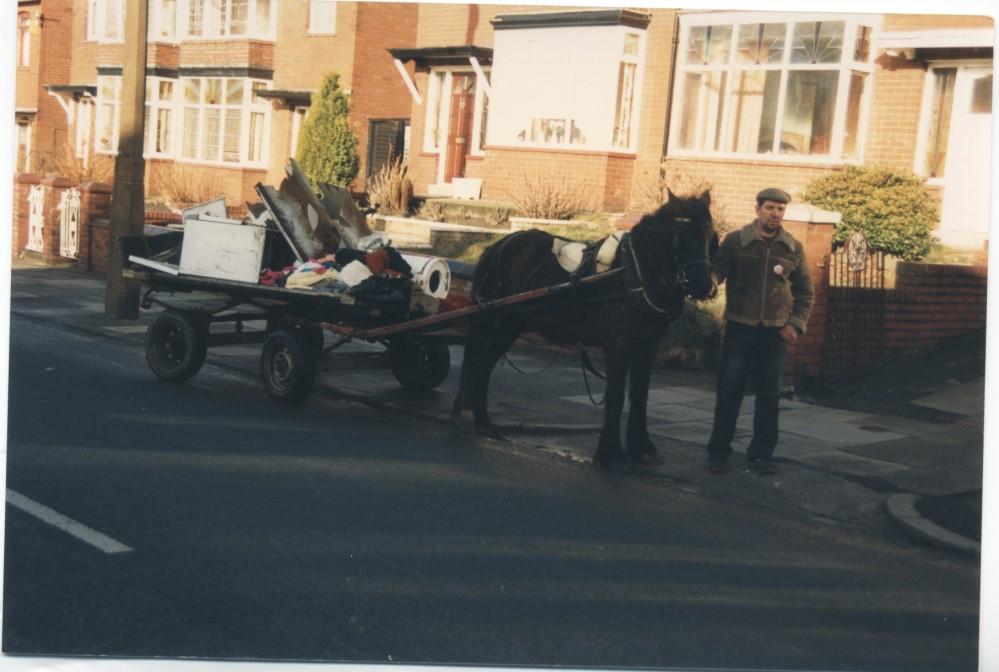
717	465
762	465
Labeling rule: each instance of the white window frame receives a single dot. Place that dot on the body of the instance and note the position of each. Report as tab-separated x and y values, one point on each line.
919	166
844	67
214	27
298	114
23	40
97	18
638	60
103	106
23	137
159	28
313	27
247	106
84	134
439	86
154	104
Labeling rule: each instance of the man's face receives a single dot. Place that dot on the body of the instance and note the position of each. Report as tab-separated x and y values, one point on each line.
769	217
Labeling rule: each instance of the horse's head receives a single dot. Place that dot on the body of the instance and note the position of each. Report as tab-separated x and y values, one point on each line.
692	242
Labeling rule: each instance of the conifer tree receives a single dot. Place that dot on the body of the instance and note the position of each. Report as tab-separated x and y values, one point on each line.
327	147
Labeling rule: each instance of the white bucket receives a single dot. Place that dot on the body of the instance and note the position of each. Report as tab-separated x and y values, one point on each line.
432	274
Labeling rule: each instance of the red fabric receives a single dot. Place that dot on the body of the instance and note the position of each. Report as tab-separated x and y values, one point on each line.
377	261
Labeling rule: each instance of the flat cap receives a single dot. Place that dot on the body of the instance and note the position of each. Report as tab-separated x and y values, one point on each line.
773	194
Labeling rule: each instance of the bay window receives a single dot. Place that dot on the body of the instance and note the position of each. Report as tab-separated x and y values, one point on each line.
224	121
567	87
752	86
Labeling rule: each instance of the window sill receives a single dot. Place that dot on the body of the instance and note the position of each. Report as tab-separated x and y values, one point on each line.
763	159
225	38
222	164
311	34
561	149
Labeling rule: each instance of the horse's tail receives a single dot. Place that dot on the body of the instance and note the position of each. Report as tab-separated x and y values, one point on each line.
493	266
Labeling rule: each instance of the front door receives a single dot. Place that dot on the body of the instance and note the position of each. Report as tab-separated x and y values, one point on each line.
459	127
964	218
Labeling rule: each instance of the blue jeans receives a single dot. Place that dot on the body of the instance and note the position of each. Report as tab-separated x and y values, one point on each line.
746	350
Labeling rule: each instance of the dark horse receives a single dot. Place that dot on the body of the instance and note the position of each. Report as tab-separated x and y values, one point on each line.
665	258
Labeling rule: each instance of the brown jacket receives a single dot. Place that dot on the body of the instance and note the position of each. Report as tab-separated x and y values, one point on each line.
755	293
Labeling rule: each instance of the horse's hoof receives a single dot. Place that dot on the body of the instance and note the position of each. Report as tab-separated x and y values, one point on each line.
647	460
611	462
489	432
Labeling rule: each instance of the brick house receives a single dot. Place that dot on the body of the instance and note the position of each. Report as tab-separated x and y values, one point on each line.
743	100
41	58
228	82
481	98
775	98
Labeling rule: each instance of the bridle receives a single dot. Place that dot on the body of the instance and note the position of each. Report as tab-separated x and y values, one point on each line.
680	279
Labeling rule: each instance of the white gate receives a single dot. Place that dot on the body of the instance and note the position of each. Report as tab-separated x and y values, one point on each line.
36	218
69	224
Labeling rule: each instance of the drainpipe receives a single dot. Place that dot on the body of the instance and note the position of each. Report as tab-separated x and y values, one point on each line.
669	90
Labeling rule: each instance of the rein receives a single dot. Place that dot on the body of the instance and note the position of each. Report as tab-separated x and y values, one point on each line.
679	280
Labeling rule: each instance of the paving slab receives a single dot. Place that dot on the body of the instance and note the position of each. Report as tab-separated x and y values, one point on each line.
677	413
963	399
695	431
938	480
837	460
840	433
815	415
919	452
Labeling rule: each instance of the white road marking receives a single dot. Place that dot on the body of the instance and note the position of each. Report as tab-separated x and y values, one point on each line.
68	525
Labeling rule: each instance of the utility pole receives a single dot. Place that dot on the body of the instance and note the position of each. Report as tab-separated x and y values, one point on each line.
121	295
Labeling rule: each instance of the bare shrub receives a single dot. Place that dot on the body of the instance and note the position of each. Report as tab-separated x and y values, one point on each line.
653	191
390	191
64	163
547	197
432	210
180	184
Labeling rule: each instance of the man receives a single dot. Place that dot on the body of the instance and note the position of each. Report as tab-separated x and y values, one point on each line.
769	295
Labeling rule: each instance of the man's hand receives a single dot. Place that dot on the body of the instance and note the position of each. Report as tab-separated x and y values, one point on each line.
788	333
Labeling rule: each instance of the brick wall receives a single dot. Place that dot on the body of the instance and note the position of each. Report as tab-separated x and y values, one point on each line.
805	354
95	204
932	302
895	110
735	183
380	93
50	64
227	53
26	89
234	183
900	22
609	178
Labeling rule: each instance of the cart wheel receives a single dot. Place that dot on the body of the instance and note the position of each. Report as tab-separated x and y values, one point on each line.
288	368
176	344
419	366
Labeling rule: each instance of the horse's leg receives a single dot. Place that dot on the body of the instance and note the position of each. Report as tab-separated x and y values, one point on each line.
494	345
470	356
639	446
609	447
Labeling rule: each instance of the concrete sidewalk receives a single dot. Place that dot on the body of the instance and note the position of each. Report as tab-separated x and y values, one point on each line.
841	466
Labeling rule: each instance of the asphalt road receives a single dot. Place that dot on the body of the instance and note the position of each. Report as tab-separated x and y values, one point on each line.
328	531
